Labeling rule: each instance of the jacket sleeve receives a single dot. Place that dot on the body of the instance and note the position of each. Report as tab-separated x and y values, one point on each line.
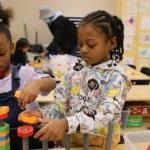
57	109
111	104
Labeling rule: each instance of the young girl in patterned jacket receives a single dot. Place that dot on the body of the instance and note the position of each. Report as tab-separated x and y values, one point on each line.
93	92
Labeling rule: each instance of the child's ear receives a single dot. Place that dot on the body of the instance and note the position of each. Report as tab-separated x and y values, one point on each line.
113	42
12	48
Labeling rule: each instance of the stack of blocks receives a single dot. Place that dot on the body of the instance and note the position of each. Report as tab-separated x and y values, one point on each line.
4	129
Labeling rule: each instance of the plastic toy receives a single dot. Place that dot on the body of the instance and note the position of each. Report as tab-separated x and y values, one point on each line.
37	59
25	132
28	119
4	129
37	63
4	112
17	94
148	148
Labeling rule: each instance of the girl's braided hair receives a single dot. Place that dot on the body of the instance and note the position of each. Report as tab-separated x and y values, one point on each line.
112	26
5	17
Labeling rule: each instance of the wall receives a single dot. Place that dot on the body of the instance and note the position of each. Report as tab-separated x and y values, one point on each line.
27	11
136	19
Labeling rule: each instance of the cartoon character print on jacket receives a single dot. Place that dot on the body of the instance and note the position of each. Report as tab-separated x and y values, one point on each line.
94	94
88	112
93	84
78	65
95	88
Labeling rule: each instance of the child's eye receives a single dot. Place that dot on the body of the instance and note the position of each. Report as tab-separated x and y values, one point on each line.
91	45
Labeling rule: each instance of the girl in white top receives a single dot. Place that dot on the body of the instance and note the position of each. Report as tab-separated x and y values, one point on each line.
11	78
25	78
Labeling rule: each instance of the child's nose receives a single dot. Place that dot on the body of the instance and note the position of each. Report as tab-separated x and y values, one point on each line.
84	49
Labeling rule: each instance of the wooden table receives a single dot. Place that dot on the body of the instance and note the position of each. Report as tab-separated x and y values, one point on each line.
135	75
118	147
142	146
132	73
139	93
139	146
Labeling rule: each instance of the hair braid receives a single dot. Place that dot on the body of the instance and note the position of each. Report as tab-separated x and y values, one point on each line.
5	18
112	26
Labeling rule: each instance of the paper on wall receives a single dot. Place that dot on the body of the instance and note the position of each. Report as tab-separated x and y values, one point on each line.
128	42
144	6
145	22
144	52
144	63
128	60
145	38
129	24
132	6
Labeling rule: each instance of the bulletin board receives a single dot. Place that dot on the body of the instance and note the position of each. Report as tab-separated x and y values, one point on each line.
135	15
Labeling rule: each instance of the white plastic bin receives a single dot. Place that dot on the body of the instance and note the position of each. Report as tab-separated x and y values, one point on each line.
137	140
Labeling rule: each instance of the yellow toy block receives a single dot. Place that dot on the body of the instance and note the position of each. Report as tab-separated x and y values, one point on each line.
17	94
4	110
29	119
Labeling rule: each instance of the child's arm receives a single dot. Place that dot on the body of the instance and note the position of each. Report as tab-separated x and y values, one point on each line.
58	108
31	90
31	83
81	122
55	124
92	122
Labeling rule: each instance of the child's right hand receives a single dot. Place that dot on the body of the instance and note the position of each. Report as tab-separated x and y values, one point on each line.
28	93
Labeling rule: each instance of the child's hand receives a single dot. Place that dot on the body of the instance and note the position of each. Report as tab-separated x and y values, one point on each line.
28	94
52	130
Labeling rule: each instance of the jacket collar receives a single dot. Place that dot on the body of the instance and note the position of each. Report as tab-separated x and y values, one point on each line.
108	65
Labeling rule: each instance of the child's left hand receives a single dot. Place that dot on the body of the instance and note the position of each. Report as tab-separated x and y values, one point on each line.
28	94
52	130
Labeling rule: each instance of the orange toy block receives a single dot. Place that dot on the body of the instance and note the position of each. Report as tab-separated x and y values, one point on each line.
4	110
36	65
29	119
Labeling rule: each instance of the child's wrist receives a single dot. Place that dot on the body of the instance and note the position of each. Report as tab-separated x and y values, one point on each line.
39	110
65	124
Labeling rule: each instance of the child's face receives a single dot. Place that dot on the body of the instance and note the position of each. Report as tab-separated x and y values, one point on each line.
6	48
94	46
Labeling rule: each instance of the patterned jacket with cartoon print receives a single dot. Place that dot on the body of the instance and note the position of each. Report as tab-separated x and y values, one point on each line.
90	96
